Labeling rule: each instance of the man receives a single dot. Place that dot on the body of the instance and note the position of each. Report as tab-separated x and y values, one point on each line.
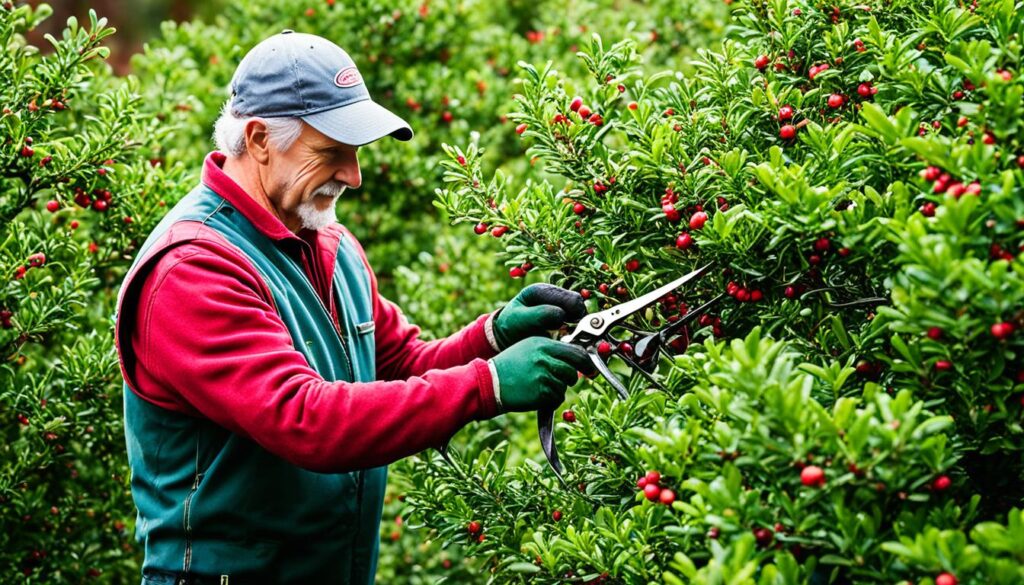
267	383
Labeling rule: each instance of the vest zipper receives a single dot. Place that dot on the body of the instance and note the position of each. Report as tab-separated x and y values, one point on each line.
341	336
188	522
335	326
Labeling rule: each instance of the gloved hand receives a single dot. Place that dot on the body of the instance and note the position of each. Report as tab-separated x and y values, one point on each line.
537	309
534	373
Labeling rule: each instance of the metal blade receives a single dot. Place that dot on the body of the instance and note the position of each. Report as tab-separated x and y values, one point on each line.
607	373
659	337
546	430
597	324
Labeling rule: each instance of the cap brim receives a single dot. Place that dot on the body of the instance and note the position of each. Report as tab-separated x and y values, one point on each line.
359	123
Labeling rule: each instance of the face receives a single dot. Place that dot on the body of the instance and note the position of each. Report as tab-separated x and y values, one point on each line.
303	183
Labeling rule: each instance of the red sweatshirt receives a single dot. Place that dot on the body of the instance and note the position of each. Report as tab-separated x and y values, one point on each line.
209	344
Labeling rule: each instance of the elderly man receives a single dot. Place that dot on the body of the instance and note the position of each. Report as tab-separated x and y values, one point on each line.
267	383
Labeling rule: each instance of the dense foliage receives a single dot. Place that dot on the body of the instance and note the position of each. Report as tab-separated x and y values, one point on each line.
852	411
849	413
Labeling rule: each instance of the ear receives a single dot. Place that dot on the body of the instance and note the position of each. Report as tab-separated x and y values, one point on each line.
257	140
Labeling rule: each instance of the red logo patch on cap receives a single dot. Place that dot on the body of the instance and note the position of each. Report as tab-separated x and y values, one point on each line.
348	77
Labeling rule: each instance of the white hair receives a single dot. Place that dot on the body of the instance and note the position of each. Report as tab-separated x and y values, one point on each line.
229	131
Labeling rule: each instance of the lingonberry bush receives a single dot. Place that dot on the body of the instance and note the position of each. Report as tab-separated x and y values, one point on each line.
91	163
75	196
851	411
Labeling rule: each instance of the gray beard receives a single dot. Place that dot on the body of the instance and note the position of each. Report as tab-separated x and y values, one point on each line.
317	219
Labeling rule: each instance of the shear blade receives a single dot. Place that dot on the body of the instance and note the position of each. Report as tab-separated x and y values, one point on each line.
546	430
607	373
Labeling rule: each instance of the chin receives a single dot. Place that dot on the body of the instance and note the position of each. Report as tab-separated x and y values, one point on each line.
313	218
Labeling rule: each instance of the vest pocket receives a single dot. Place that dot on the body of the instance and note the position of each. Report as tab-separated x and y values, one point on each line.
366	328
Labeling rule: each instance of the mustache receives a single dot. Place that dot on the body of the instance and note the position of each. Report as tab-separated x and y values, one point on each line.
332	188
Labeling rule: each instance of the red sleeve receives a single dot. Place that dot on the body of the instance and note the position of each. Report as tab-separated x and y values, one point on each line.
400	351
210	344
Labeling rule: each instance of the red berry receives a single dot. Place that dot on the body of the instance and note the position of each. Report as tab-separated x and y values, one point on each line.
480	228
99	205
934	333
697	220
756	295
474	527
516	272
27	151
812	476
556	515
499	230
653	477
631	105
943	365
520	128
569	416
632	265
835	101
822	244
641	483
585	293
578	208
945	579
1001	330
462	160
790	292
787	132
941	483
864	90
604	348
652	492
596	119
684	241
584	112
671	213
763	536
667	496
576	103
761	62
928	209
714	532
37	260
786	113
446	117
931	174
52	205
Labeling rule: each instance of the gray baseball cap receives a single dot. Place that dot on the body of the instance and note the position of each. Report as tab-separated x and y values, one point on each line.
304	76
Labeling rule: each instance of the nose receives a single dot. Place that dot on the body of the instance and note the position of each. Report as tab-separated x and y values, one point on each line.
348	171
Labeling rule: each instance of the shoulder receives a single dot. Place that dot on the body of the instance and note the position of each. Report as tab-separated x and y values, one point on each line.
196	253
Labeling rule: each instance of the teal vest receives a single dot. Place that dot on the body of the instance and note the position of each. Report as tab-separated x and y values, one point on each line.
213	503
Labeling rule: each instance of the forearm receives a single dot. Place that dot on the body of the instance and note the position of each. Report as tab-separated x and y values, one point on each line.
402	354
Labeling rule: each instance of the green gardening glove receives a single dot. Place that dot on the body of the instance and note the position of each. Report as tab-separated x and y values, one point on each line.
537	309
535	372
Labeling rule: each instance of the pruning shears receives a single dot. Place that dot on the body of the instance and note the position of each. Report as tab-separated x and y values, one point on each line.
596	328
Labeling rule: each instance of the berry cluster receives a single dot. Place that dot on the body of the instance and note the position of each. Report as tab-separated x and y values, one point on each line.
650	484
